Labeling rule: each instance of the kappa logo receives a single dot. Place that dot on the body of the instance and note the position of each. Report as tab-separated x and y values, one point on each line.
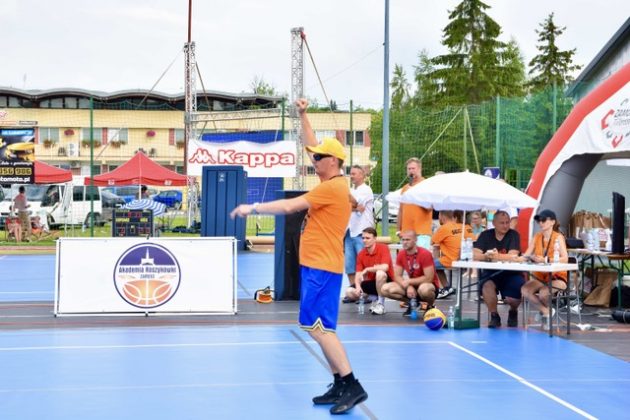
615	124
232	157
147	275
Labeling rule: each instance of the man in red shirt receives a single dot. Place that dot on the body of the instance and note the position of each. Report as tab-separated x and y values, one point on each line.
373	269
415	278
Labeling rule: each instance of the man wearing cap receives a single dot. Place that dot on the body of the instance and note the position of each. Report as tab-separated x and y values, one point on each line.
321	259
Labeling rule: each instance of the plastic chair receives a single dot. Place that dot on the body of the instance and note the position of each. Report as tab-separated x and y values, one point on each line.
559	295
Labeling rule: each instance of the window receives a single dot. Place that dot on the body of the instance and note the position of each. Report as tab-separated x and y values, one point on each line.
48	134
98	134
91	192
70	102
358	139
179	135
77	193
118	134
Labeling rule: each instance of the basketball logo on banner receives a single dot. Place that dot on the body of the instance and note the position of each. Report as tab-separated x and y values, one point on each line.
147	275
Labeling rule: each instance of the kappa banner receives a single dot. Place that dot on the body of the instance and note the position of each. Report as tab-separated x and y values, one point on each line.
276	159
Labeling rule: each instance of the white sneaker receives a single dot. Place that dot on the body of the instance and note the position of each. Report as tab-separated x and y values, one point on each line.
377	308
575	308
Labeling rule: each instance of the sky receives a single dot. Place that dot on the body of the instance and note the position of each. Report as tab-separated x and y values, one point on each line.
135	44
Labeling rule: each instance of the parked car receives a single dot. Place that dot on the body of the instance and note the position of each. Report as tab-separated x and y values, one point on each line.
171	198
110	202
393	207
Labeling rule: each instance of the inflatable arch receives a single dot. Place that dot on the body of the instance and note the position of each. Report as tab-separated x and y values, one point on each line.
598	128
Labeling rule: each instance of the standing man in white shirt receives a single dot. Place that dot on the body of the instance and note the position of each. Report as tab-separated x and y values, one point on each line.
362	200
20	206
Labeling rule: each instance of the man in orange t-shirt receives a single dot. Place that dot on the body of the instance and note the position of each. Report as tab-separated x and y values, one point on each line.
321	259
411	216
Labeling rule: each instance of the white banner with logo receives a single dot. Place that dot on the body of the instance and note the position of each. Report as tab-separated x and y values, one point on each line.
276	159
156	275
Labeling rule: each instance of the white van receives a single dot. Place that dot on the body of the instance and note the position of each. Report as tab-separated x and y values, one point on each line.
63	203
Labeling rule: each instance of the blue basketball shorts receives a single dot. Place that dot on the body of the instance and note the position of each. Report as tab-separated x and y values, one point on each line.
319	299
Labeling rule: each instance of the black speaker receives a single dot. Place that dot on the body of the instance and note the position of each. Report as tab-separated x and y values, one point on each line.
618	222
287	251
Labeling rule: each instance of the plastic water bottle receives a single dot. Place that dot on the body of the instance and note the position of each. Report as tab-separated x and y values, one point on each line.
556	251
362	304
608	241
413	304
450	318
469	249
590	244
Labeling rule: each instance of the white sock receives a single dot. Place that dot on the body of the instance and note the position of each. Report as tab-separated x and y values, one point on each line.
381	300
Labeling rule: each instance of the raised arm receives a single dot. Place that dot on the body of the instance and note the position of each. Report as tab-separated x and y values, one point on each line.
308	136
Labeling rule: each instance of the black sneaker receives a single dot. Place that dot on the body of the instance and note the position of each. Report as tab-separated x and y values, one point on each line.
512	319
407	311
353	394
331	396
495	320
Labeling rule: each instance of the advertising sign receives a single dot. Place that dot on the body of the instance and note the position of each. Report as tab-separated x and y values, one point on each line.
127	276
492	172
17	155
277	159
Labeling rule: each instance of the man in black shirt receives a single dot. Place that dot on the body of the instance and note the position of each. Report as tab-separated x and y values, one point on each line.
500	244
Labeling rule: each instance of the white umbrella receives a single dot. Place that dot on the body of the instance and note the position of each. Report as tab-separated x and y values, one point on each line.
466	191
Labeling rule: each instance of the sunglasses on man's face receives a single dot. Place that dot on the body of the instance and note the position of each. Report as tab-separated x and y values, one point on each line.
317	157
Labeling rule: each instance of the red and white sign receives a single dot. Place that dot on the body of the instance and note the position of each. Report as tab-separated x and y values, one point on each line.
276	159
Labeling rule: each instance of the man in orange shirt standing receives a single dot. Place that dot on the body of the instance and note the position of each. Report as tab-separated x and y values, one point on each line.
321	259
411	216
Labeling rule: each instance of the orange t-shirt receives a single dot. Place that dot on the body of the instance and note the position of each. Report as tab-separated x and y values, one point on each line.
449	238
414	217
321	244
540	246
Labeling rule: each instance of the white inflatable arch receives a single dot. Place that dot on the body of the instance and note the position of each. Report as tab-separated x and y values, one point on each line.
598	128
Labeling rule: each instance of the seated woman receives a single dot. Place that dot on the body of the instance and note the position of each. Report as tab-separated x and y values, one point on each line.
14	227
541	250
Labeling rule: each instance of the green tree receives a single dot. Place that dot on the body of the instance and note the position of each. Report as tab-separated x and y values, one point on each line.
260	87
551	66
421	75
400	88
478	66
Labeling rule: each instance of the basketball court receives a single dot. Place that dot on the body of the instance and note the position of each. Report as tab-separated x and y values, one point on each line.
259	364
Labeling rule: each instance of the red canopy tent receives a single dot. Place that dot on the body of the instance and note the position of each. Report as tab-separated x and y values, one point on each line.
48	174
139	170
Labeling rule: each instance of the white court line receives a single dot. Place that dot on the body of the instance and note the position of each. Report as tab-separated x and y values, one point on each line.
248	344
525	382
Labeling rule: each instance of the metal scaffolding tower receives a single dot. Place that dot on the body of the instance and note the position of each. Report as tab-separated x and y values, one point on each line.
190	100
297	91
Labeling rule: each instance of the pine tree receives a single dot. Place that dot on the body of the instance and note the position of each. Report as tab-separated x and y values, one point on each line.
421	76
400	88
551	65
478	66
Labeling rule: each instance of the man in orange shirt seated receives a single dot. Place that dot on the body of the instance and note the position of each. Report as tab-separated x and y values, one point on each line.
415	279
411	216
374	268
448	238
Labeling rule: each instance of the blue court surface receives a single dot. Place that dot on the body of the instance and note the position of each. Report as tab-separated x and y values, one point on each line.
273	371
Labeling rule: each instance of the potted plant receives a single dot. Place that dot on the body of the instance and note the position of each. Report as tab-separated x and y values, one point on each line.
115	143
86	143
180	144
48	143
